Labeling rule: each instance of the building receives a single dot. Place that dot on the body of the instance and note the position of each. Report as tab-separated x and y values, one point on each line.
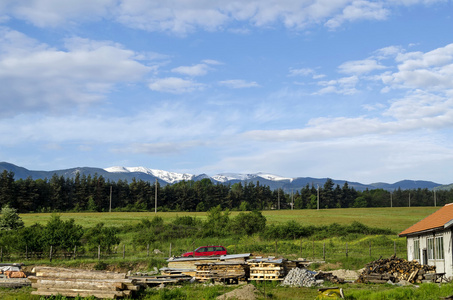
429	241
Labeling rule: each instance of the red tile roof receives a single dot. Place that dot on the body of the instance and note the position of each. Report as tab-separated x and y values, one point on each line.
436	220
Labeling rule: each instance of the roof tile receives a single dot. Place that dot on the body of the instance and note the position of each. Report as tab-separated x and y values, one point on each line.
435	220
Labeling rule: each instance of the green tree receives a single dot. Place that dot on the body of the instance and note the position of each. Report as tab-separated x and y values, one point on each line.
248	223
99	235
9	219
63	235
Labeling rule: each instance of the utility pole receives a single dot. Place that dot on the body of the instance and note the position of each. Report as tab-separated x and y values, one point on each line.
155	198
435	200
292	200
318	194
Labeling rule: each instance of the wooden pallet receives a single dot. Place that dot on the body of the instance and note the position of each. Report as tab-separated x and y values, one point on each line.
221	271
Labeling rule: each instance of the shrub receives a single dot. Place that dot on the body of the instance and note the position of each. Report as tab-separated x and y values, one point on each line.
248	223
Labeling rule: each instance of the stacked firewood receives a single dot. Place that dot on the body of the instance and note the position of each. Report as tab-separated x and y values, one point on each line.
74	282
395	269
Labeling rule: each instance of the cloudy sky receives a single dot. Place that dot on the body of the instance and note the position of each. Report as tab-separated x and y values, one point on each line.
355	90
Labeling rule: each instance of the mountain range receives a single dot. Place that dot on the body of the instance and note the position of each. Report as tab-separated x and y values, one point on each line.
165	177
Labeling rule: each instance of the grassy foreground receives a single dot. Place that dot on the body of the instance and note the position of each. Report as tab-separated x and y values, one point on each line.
396	219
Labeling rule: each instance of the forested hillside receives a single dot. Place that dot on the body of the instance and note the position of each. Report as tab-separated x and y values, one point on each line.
93	193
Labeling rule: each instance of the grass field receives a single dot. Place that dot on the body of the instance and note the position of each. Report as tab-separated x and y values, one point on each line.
359	247
396	218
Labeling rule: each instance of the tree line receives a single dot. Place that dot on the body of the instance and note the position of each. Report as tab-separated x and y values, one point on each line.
95	193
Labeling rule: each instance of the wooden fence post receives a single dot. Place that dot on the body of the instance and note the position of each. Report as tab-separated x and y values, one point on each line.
50	255
99	252
75	251
276	252
170	251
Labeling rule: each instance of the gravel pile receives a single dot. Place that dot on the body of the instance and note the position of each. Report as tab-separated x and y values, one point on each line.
300	278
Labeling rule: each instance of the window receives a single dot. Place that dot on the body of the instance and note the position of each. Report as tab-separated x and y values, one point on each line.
439	247
417	249
430	248
436	247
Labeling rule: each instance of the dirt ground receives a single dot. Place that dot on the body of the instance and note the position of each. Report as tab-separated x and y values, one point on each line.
247	292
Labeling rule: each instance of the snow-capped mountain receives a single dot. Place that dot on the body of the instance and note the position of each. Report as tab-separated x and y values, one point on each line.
225	177
164	177
169	177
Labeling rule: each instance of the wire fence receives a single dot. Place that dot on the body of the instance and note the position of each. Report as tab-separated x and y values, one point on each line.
313	250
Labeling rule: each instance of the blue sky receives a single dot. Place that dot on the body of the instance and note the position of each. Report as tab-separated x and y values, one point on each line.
355	90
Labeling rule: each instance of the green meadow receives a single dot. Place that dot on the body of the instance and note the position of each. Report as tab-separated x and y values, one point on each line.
396	218
362	248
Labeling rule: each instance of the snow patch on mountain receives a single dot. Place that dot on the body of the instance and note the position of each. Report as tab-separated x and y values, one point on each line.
224	177
273	177
170	177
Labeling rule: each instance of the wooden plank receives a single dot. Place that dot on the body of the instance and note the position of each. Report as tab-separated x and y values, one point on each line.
81	293
76	273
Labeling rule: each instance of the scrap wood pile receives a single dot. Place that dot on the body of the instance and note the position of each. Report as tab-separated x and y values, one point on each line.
75	282
12	270
328	276
222	271
395	269
272	268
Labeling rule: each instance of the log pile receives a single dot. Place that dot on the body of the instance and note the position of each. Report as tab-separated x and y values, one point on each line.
74	282
395	269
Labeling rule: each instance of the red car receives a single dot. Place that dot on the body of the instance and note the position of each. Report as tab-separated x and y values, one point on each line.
207	251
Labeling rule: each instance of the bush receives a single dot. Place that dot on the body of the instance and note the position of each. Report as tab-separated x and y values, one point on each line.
248	223
99	235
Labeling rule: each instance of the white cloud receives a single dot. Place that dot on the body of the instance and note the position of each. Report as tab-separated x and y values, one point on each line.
344	86
37	77
198	69
359	10
432	70
55	12
360	66
182	17
175	85
238	83
195	70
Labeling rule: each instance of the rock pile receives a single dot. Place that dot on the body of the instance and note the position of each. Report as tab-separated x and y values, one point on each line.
300	278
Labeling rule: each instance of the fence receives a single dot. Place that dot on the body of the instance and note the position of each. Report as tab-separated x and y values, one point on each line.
289	249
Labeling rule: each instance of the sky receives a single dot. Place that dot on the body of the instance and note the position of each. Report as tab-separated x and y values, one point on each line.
355	90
